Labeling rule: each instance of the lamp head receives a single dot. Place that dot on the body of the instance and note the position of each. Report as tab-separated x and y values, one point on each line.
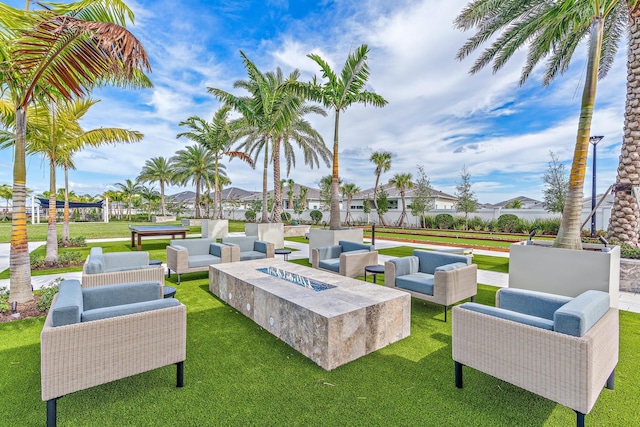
533	233
603	241
595	139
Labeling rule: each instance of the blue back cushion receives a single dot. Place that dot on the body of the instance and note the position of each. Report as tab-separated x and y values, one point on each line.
194	246
539	304
125	293
578	315
429	260
405	265
514	316
329	252
348	246
245	242
68	306
96	261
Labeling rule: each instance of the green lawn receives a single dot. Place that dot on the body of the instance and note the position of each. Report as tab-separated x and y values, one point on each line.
237	374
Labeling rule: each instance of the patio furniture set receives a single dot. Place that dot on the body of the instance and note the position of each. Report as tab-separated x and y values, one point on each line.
564	349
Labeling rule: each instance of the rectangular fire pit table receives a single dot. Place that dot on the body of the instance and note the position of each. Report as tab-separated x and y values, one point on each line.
332	326
155	230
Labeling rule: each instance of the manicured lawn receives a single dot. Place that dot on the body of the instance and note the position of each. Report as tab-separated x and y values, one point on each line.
237	374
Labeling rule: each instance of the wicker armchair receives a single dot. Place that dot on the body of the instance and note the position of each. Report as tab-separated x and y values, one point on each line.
85	343
191	255
119	267
564	349
438	277
346	258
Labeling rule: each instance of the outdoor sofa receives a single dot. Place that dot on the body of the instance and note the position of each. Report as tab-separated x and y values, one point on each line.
119	267
561	348
191	255
96	335
346	258
245	248
438	277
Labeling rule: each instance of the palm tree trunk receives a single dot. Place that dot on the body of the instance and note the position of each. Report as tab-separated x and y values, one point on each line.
52	235
403	216
66	235
569	233
19	266
197	201
623	224
277	188
265	177
334	219
162	208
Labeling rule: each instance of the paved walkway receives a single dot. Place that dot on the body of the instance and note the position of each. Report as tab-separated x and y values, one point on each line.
628	301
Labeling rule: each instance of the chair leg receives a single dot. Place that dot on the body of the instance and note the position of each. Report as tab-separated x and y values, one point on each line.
473	298
180	374
51	412
445	313
458	373
178	278
579	419
168	272
611	380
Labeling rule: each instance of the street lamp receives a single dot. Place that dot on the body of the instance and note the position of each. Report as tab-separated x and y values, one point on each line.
594	140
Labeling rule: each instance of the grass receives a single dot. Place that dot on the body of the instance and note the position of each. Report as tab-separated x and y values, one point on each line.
237	374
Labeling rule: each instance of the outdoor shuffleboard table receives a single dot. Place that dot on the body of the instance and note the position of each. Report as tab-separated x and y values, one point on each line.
155	230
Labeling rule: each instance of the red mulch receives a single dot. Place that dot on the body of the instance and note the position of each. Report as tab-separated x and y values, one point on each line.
26	310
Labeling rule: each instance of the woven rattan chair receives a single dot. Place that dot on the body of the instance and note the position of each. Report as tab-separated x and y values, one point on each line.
119	267
77	353
346	258
563	349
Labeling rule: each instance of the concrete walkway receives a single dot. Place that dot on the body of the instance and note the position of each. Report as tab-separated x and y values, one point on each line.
628	301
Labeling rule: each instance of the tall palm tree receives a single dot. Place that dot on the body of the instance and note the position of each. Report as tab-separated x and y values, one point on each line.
129	189
349	190
266	113
338	93
290	191
5	193
217	136
150	194
382	160
195	164
402	182
553	30
35	47
157	169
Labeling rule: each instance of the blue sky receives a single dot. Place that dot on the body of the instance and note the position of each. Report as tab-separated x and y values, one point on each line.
438	115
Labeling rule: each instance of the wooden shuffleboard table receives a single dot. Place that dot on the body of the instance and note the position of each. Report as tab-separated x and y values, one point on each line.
155	230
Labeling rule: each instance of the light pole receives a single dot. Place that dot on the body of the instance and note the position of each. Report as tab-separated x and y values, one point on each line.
594	141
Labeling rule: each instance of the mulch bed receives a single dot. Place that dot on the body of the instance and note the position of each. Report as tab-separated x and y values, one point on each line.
25	310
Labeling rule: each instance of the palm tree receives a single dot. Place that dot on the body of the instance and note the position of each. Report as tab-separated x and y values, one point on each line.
553	30
195	164
35	47
267	113
402	182
157	169
338	93
290	191
149	194
382	160
5	193
217	136
348	191
129	189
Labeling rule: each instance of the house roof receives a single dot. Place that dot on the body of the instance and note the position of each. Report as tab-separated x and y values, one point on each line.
527	201
392	191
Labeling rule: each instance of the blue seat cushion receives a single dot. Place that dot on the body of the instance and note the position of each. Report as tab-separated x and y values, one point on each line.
122	310
417	282
514	316
332	264
196	261
248	255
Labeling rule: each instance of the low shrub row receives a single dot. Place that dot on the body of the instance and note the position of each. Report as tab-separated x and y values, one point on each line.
507	223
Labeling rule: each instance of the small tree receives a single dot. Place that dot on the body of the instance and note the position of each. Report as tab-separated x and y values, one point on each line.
316	216
366	207
423	200
556	185
382	199
514	204
467	201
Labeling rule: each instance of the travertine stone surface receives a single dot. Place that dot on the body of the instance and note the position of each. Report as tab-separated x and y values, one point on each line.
331	327
630	275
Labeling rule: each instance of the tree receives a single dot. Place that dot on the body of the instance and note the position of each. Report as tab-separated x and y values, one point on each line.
338	93
5	193
402	182
46	54
553	29
348	191
325	192
290	191
382	160
467	201
157	169
194	164
514	204
217	136
556	185
129	189
149	194
423	200
382	200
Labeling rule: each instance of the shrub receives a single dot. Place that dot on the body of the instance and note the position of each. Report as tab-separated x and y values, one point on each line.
47	292
74	242
250	215
508	223
66	259
285	216
428	221
476	223
316	216
549	226
36	261
4	300
444	221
